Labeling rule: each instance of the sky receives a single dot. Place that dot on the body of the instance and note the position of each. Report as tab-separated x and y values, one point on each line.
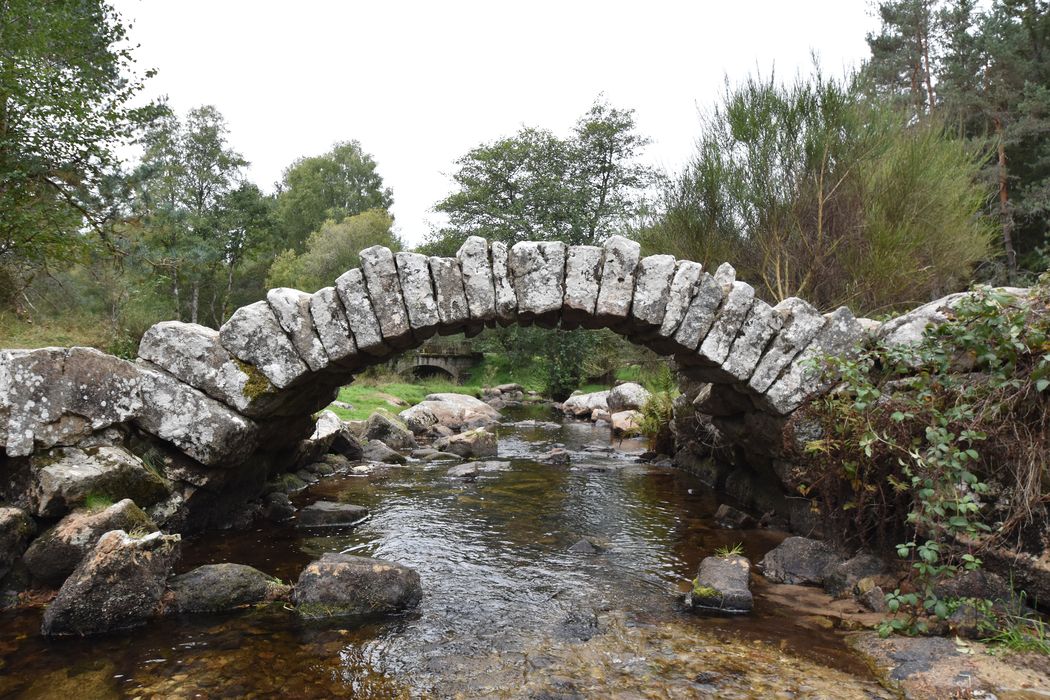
419	84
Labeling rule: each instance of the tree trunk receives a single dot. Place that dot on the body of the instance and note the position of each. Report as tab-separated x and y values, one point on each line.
1005	217
194	300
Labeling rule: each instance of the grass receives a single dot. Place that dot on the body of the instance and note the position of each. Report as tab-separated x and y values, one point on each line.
50	332
727	551
367	397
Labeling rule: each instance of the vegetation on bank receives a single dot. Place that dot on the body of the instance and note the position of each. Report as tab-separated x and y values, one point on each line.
940	450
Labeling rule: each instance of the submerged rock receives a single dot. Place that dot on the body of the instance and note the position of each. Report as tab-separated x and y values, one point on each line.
799	560
277	507
55	554
118	585
16	527
216	587
585	546
468	470
557	455
733	518
473	443
323	513
345	585
722	584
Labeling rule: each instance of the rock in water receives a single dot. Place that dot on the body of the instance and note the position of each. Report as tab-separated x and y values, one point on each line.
216	587
345	585
323	513
16	527
378	451
118	585
626	422
473	443
799	560
391	432
55	554
732	518
722	584
464	471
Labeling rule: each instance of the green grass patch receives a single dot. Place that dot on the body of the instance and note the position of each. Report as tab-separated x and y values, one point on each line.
367	398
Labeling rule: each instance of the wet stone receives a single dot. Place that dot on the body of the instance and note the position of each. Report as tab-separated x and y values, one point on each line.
324	513
722	584
339	585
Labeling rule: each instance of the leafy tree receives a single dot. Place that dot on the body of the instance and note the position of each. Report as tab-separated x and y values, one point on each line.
901	52
812	192
66	84
338	184
332	250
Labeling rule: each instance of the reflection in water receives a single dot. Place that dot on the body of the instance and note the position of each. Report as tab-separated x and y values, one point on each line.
508	609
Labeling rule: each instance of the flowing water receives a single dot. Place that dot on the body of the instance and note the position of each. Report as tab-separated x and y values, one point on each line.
509	610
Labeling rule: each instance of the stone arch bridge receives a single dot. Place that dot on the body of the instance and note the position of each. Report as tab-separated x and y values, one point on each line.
225	397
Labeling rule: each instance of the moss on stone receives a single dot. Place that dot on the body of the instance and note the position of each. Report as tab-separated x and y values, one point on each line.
257	383
705	591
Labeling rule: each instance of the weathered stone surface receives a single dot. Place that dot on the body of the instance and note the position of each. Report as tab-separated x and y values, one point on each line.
726	326
838	337
253	335
451	297
384	288
58	396
330	513
455	411
227	586
379	451
908	329
391	431
118	585
360	316
472	443
193	355
16	529
583	405
800	322
679	297
762	324
64	476
467	470
629	395
209	431
332	328
619	263
652	291
292	309
799	560
625	422
414	273
583	275
478	283
538	273
733	518
725	276
345	585
722	584
503	283
53	556
700	314
330	435
842	577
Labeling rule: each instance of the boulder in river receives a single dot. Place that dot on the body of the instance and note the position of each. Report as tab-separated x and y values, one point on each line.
346	585
379	451
799	560
467	470
626	422
733	518
583	405
217	587
473	443
457	412
118	585
16	527
324	513
391	431
55	554
722	584
628	396
330	434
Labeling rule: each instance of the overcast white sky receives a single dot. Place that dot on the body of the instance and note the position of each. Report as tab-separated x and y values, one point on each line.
420	83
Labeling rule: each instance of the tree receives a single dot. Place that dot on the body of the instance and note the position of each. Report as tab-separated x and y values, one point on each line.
811	191
66	86
332	250
338	184
901	52
536	186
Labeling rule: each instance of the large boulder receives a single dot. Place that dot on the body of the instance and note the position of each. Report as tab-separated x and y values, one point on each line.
473	443
799	560
330	434
626	422
392	432
16	527
120	584
55	554
324	513
64	477
627	396
722	584
217	587
345	585
582	405
378	451
456	412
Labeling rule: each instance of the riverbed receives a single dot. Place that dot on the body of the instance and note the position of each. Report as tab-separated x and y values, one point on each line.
511	608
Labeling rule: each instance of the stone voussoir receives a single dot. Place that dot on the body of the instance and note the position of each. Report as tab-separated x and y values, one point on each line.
292	309
619	264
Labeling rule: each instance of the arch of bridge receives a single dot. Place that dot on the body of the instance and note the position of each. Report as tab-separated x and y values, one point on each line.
283	357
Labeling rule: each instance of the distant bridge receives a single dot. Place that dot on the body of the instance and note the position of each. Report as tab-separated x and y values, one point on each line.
441	358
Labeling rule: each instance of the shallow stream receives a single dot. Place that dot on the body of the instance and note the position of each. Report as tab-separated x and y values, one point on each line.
509	610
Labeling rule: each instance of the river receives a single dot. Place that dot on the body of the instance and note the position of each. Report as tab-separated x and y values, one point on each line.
509	609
